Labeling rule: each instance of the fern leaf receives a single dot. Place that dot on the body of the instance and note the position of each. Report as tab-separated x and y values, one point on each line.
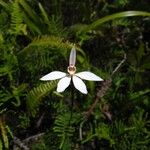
49	41
5	5
17	26
29	10
54	24
36	94
31	18
136	95
63	129
34	29
44	53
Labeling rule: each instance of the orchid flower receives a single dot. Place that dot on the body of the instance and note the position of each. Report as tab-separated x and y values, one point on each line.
66	78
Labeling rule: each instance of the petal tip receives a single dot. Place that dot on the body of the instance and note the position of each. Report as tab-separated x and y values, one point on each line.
42	79
59	91
100	79
85	92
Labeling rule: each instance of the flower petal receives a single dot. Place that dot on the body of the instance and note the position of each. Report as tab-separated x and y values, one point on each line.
86	75
72	59
53	76
79	85
63	84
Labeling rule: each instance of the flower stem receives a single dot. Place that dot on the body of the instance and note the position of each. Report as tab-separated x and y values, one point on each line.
72	100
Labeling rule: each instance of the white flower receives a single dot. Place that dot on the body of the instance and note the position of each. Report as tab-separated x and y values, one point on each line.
65	79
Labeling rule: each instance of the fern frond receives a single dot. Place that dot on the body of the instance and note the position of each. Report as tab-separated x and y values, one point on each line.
26	7
7	6
33	27
40	23
63	129
44	53
55	27
31	18
49	41
136	95
17	26
35	96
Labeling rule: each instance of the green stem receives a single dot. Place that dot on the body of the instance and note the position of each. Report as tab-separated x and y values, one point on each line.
72	100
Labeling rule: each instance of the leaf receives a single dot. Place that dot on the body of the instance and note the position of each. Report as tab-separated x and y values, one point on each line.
138	94
17	92
1	145
4	133
44	14
17	26
5	5
105	19
29	10
37	93
45	51
63	129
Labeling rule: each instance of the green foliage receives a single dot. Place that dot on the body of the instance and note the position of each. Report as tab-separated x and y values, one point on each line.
136	136
5	133
24	120
64	130
36	38
97	23
35	95
43	52
121	2
17	26
139	62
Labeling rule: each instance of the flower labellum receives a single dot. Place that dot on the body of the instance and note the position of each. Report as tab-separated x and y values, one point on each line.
65	79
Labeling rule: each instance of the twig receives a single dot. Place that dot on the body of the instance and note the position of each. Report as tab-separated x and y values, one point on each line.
39	122
33	138
104	88
119	65
23	144
19	143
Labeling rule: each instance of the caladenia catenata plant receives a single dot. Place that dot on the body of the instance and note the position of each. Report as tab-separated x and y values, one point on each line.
71	78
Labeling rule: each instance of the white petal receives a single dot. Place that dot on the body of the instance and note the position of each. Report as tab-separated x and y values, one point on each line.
63	84
72	59
79	85
86	75
53	76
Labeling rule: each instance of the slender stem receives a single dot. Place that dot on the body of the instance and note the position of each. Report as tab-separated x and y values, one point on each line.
72	100
119	65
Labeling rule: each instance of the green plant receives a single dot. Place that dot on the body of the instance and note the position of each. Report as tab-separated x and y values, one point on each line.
36	38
